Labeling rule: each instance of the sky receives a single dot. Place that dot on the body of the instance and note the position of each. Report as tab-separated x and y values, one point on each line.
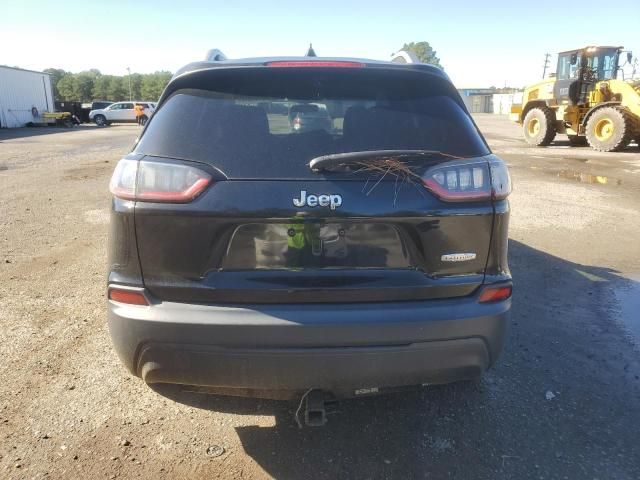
480	44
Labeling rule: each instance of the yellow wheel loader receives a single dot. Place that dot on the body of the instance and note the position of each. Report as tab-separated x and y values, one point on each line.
585	100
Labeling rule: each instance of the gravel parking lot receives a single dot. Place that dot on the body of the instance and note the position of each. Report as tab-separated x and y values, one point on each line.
562	403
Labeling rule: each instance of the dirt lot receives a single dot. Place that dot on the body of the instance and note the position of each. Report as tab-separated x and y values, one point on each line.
563	402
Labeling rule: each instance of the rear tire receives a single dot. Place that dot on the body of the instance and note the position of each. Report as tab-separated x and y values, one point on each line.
578	140
539	126
609	129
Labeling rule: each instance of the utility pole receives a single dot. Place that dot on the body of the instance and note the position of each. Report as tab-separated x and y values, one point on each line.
129	71
546	64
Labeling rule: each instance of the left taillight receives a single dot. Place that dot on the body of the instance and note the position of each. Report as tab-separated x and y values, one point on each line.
157	181
465	181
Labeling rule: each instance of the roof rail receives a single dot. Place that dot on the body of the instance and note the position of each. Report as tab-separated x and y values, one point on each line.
404	56
215	55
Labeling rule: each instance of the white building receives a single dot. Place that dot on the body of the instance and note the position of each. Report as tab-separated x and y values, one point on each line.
24	96
502	103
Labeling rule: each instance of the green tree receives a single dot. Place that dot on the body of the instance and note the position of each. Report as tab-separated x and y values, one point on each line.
84	86
92	85
148	87
56	74
66	87
118	90
93	72
102	87
136	86
424	52
153	84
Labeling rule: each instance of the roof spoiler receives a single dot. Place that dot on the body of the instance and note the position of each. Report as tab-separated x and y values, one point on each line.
404	56
215	55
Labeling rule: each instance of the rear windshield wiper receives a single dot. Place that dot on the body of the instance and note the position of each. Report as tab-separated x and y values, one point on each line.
337	160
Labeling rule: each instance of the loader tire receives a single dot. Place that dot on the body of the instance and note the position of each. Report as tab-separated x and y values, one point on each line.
539	126
577	140
609	129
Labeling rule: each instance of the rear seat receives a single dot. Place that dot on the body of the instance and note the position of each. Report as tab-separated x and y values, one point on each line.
229	126
379	128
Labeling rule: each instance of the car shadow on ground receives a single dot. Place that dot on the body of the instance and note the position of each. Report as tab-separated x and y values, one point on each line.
505	426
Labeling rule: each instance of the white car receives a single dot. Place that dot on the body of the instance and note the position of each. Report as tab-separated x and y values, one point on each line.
120	112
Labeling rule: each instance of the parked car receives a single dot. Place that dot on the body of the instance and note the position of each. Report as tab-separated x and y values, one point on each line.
309	116
319	264
89	106
99	104
119	112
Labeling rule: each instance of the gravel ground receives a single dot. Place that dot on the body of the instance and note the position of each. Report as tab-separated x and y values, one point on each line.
562	403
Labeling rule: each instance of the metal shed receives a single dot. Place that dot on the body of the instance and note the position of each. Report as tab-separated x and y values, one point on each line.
477	100
24	96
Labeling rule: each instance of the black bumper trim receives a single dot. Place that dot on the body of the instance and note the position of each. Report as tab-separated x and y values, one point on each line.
322	368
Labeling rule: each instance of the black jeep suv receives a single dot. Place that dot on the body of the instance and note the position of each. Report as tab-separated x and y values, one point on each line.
249	257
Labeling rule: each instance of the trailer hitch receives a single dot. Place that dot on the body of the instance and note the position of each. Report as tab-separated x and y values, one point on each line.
313	402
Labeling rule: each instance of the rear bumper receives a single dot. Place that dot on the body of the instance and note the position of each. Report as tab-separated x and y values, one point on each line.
296	347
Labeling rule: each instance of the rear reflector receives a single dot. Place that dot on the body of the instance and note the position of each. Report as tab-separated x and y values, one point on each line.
318	64
132	297
157	181
495	294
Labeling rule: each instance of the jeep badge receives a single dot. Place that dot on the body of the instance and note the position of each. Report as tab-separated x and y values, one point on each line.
331	201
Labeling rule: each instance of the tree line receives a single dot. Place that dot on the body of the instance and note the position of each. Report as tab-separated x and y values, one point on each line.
92	85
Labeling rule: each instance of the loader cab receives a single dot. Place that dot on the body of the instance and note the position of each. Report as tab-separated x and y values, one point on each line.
579	70
601	63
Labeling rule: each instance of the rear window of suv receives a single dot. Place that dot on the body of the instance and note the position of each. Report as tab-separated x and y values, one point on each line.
243	121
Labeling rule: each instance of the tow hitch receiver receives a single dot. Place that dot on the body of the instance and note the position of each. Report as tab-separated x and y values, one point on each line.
315	414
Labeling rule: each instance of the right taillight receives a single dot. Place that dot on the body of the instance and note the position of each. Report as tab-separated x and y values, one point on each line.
465	181
157	181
